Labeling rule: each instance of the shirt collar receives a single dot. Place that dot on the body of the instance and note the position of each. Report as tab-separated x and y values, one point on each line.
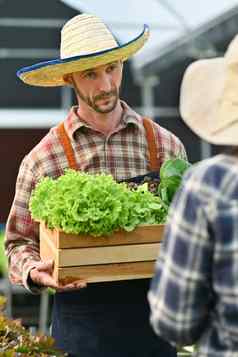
74	122
129	116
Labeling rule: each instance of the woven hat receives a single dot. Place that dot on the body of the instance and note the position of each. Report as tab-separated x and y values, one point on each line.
86	42
209	97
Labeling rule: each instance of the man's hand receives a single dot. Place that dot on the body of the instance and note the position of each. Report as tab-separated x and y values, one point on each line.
42	276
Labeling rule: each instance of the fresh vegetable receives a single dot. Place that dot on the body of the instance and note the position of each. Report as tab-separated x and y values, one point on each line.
171	173
15	340
78	202
173	167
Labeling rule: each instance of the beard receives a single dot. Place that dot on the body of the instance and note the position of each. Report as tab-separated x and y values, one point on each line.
103	103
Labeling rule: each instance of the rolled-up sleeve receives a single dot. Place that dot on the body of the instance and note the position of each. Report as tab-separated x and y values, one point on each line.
22	233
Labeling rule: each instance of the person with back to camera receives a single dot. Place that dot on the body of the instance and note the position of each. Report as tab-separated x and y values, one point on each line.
194	292
100	134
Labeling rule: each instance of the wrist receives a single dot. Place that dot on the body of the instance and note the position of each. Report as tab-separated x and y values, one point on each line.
32	285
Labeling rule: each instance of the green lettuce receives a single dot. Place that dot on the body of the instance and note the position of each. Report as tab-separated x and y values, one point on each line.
79	202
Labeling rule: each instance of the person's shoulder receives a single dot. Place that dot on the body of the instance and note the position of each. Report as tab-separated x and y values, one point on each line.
214	171
163	132
46	142
42	149
169	144
52	137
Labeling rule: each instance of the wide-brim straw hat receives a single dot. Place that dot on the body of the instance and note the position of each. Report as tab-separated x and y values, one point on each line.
209	97
86	42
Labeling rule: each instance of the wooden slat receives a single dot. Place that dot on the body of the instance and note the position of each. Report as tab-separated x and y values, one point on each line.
48	234
107	255
47	250
142	234
108	272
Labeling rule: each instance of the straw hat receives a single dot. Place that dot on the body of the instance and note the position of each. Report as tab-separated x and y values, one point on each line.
209	97
86	42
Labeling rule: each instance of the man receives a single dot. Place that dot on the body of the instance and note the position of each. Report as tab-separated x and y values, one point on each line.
100	134
194	293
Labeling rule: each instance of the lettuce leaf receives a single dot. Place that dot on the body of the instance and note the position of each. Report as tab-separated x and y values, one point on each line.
171	173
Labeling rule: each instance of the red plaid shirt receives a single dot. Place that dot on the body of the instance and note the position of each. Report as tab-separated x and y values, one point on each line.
123	153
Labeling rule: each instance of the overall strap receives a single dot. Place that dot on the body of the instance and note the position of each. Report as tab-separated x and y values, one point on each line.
150	136
65	142
151	140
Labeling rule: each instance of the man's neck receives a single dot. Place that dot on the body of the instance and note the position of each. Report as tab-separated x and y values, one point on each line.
106	123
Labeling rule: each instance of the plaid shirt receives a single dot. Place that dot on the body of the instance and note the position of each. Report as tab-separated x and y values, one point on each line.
194	292
124	154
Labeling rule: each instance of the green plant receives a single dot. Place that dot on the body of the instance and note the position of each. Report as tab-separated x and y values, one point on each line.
78	202
3	258
171	173
15	340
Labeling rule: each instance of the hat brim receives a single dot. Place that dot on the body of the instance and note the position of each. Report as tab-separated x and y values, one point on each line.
51	73
200	96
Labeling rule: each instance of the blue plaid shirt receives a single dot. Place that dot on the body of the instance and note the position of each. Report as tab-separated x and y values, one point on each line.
194	292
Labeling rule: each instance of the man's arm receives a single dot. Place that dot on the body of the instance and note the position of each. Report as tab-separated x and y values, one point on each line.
22	241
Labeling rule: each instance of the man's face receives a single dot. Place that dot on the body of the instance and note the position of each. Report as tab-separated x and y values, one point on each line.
99	87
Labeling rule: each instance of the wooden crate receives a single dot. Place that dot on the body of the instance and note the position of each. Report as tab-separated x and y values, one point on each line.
120	256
